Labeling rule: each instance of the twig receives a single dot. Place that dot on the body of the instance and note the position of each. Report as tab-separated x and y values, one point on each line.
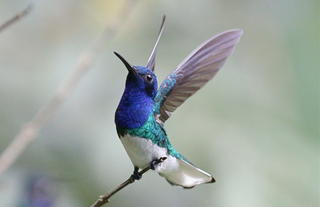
16	17
103	199
30	131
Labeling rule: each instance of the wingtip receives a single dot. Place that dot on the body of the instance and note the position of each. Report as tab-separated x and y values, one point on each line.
164	16
151	59
239	32
234	34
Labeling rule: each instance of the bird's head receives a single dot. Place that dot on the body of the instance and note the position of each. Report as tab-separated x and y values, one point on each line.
140	78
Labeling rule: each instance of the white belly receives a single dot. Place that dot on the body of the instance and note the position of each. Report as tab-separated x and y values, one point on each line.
142	152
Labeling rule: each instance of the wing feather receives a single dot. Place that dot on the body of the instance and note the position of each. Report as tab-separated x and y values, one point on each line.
152	58
194	72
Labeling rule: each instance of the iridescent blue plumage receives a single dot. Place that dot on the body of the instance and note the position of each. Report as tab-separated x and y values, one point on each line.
137	101
144	108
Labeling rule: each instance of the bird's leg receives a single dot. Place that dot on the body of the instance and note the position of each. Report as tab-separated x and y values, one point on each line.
155	162
136	175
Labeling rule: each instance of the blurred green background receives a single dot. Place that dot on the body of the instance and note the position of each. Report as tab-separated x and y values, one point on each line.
255	126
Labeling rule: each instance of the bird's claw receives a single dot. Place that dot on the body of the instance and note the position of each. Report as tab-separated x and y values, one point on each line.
136	175
153	163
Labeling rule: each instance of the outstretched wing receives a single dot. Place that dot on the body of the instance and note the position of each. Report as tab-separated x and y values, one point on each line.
194	72
152	58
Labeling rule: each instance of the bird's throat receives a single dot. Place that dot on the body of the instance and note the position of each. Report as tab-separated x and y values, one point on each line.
134	109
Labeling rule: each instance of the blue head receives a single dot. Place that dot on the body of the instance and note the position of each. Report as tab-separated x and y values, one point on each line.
138	97
142	80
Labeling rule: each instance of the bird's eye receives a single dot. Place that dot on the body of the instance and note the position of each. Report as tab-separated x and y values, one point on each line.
149	78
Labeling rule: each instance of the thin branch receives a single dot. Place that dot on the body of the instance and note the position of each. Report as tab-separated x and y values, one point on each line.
16	17
31	129
103	199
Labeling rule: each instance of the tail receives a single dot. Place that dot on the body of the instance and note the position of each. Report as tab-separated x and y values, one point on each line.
182	173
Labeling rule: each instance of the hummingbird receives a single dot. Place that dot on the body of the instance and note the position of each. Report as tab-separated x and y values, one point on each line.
144	108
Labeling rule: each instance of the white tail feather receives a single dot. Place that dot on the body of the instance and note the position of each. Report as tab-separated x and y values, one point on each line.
185	174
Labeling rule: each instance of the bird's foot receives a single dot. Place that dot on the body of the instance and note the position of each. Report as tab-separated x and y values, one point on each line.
136	175
154	163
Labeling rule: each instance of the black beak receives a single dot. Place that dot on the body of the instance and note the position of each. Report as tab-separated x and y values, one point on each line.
128	66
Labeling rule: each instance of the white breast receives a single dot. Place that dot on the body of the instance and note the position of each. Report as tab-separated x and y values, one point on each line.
142	152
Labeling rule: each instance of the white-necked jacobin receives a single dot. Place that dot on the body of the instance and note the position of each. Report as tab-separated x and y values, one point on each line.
144	108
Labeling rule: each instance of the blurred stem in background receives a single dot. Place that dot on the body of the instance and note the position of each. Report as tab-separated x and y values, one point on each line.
16	18
85	62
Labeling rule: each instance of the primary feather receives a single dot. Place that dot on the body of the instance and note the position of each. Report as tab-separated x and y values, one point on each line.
152	59
194	72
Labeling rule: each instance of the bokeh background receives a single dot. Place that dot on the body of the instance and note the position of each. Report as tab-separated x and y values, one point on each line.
255	126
